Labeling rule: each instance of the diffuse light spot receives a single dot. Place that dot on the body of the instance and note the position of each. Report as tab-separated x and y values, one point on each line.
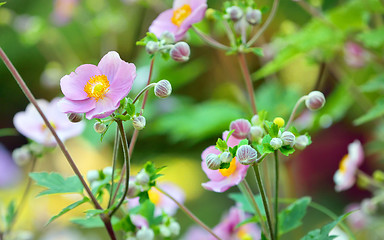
97	87
154	196
180	14
232	168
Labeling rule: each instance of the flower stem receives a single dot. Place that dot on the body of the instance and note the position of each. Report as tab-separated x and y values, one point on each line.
189	213
264	198
32	99
276	153
247	192
266	24
302	99
114	162
127	160
142	91
212	42
248	80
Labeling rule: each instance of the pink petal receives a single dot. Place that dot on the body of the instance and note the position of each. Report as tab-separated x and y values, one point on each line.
76	106
110	64
122	82
179	3
213	175
220	186
72	85
163	23
103	108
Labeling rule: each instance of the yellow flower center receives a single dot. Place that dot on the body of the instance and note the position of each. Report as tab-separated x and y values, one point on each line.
232	168
44	127
154	196
243	235
180	14
343	164
97	87
279	121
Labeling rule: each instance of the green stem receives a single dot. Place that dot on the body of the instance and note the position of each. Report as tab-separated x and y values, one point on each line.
212	42
114	163
247	192
248	80
142	91
276	153
127	160
302	99
189	213
264	198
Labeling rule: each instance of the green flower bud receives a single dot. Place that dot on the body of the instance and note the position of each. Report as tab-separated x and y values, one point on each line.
99	127
139	122
301	142
288	138
226	157
93	175
152	47
213	161
276	143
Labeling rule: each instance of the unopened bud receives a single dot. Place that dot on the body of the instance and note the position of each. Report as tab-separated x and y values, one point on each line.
174	227
138	122
167	37
99	127
108	171
165	231
279	121
235	13
213	161
163	89
276	143
75	117
242	128
145	233
253	16
256	133
301	142
21	156
255	119
315	100
226	157
378	175
142	178
180	52
133	190
288	138
246	155
93	175
152	47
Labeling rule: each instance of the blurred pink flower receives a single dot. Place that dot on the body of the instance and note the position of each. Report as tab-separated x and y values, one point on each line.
31	125
180	18
222	179
97	90
358	219
345	175
355	56
63	11
10	173
162	202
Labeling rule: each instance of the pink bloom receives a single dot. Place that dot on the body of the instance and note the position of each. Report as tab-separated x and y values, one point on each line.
162	202
97	90
10	173
180	18
358	219
355	56
31	125
63	11
345	175
222	179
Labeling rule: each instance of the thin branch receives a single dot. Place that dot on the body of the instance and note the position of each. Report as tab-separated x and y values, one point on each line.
248	80
212	42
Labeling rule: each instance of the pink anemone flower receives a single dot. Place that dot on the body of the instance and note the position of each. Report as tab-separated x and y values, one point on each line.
31	125
97	90
180	18
222	179
345	175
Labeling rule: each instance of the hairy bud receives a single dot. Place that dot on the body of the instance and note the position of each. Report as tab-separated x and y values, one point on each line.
255	119
180	52
93	175
276	143
75	117
301	142
226	157
163	89
22	156
242	128
139	122
235	13
246	155
315	100
99	127
142	178
288	138
145	233
167	37
253	16
152	47
256	133
213	161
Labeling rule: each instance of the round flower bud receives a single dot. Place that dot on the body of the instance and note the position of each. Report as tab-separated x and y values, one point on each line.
167	37
255	119
152	47
165	231
93	175
253	16
242	128
301	142
209	14
180	52
142	178
276	143
315	100
235	13
174	227
75	117
378	175
99	127
163	89
246	155
213	161
279	121
108	171
21	156
133	190
256	133
226	157
138	122
145	233
288	138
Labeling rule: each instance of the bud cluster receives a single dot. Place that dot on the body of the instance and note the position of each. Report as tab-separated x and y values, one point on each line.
97	177
248	15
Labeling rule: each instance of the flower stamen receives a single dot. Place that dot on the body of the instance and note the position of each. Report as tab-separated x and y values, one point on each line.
232	168
97	87
343	164
180	14
154	196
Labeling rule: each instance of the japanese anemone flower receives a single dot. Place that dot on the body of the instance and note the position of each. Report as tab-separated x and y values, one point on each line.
180	18
97	90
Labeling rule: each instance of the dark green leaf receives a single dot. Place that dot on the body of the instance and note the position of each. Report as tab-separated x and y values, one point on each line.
375	112
2	3
10	214
287	150
243	142
68	208
225	165
57	183
290	218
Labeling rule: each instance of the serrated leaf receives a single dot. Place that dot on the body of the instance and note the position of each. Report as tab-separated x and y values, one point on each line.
131	109
243	142
375	112
221	145
57	183
290	218
287	150
67	209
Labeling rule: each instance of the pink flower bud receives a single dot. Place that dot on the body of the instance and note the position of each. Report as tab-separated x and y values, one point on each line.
246	155
163	89
242	128
235	13
213	161
75	117
139	122
253	16
288	138
180	52
315	100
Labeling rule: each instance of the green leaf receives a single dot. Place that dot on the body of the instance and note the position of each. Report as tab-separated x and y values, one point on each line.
2	3
131	109
5	132
266	146
287	150
257	51
57	183
94	222
224	165
243	142
245	204
373	38
290	218
221	145
375	112
274	130
125	224
147	210
373	85
10	214
323	233
68	208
